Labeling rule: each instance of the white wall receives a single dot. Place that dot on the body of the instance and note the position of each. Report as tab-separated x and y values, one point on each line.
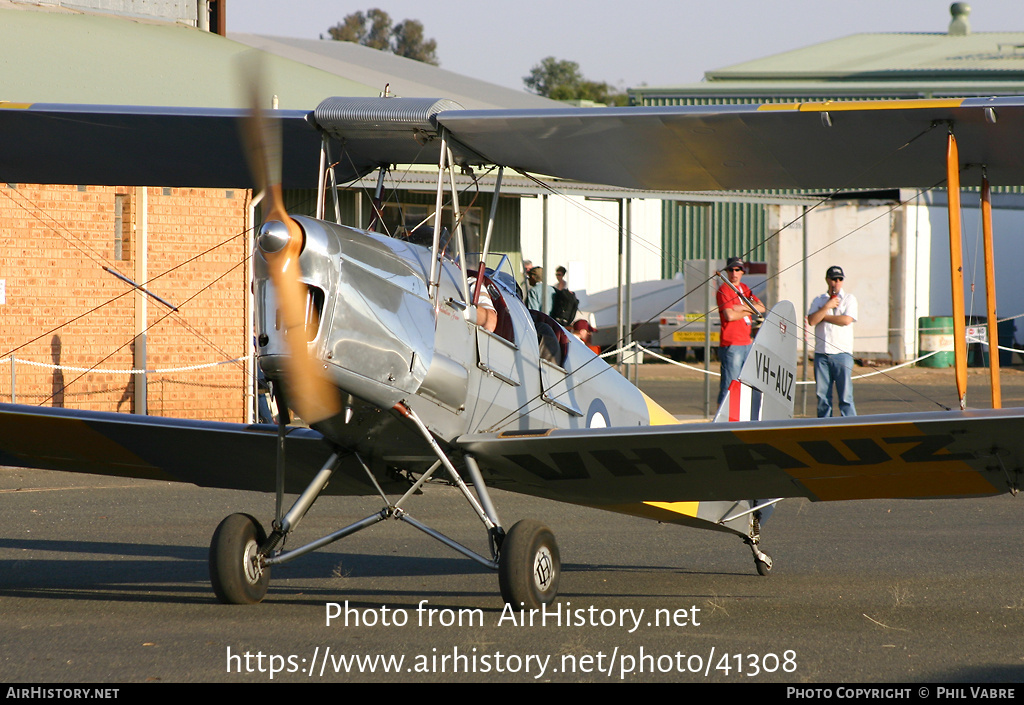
854	236
922	233
918	238
583	235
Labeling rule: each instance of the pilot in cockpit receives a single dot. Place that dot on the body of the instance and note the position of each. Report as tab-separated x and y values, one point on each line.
486	316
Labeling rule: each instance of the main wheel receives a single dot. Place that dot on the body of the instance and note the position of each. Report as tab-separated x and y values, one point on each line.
529	565
236	572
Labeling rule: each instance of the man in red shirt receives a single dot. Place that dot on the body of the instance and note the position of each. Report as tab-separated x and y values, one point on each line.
735	341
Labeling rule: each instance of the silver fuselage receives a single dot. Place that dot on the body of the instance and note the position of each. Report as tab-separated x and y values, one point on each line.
382	341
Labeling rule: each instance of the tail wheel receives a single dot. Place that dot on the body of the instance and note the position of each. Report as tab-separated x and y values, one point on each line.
762	561
529	565
236	569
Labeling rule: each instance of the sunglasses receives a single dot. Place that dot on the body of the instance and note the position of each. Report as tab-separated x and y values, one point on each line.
735	269
836	279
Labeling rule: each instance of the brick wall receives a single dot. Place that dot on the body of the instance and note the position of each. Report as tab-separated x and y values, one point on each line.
61	306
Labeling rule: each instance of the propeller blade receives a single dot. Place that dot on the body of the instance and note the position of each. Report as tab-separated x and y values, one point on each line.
280	242
261	135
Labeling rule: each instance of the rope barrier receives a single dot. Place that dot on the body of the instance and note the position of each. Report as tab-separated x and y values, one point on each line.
611	353
669	360
166	370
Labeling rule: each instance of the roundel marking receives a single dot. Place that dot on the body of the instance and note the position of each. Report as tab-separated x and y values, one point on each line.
597	415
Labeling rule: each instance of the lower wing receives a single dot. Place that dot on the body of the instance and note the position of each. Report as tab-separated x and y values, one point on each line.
946	454
208	454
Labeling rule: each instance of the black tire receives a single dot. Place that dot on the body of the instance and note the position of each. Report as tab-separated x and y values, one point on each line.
236	576
529	566
763	568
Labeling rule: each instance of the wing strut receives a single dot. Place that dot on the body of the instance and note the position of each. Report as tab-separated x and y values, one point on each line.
485	517
435	273
990	293
956	268
493	215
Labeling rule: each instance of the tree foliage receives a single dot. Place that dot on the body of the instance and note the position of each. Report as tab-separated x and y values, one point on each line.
375	29
560	79
410	43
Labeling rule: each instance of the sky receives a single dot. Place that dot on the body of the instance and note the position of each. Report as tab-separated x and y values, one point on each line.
623	42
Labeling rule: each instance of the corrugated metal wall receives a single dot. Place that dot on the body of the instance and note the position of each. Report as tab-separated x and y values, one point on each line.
757	98
505	238
736	229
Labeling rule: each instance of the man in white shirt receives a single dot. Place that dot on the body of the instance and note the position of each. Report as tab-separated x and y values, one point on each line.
833	315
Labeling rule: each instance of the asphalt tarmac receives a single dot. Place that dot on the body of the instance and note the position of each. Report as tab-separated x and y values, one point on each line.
105	581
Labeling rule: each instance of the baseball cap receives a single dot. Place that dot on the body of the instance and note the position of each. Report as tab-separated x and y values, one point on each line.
834	272
736	262
583	324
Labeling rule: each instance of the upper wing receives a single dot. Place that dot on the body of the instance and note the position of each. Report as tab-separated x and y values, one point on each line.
117	145
834	145
123	145
948	454
205	453
878	144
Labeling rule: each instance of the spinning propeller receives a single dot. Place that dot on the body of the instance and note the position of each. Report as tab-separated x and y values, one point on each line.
280	242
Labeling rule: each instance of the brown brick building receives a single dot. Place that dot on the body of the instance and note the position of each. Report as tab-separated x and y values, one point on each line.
58	305
62	307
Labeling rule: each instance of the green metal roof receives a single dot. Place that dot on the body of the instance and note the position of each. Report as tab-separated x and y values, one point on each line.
56	57
875	65
892	56
406	78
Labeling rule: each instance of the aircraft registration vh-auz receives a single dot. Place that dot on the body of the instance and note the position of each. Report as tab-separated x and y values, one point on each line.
411	359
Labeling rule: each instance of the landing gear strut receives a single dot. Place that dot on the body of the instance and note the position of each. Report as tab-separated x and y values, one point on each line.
526	558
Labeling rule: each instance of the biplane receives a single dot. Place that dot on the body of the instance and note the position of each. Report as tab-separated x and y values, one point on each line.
411	359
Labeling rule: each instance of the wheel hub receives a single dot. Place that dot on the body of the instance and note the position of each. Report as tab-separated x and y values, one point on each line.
543	568
251	562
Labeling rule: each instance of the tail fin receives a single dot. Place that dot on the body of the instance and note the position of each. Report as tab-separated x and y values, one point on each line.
764	392
766	386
